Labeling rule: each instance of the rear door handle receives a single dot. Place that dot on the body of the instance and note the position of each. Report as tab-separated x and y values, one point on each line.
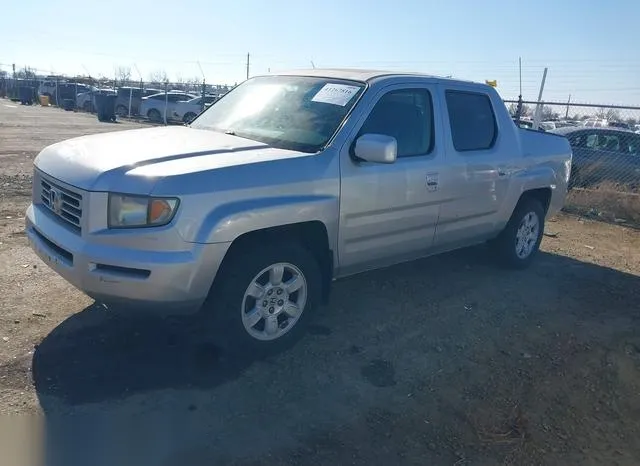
432	182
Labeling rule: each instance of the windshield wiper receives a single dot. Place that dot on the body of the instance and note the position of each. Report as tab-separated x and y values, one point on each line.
230	132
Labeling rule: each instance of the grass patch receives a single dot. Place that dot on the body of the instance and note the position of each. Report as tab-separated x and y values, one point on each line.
608	201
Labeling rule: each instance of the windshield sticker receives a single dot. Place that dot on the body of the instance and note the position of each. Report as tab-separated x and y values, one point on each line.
336	94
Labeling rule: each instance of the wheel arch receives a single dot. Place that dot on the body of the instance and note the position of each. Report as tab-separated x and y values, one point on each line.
542	195
312	235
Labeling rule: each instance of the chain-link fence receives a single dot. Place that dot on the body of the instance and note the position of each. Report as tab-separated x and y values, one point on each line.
605	178
605	139
158	101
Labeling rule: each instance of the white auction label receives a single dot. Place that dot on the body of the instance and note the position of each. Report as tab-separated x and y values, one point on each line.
336	94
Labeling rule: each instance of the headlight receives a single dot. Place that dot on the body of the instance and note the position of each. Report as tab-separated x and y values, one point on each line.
140	211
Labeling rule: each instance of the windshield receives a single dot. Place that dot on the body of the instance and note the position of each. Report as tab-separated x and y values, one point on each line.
288	112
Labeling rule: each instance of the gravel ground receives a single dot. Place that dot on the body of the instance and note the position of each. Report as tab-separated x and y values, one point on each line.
448	360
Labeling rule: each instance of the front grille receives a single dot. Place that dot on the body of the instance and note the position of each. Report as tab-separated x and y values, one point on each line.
63	202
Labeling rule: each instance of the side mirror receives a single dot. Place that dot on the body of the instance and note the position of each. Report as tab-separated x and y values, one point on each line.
377	148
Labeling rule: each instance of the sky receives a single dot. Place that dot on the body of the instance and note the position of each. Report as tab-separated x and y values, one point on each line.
590	47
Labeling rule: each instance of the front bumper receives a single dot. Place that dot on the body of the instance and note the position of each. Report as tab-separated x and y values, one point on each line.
161	280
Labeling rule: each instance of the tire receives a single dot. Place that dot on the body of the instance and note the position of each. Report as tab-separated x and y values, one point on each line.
519	242
154	115
228	308
189	117
122	111
87	107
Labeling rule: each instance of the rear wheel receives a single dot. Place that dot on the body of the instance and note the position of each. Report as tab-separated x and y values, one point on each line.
154	115
189	117
121	110
519	242
264	296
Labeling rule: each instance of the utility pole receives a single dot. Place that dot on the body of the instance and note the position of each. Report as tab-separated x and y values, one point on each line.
204	87
520	72
566	114
519	107
14	70
248	66
538	113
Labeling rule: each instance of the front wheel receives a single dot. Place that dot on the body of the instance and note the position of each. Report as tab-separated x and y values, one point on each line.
519	242
264	296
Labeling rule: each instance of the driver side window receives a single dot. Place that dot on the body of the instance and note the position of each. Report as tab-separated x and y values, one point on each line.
406	115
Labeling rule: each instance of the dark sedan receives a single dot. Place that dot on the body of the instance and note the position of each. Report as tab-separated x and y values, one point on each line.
603	155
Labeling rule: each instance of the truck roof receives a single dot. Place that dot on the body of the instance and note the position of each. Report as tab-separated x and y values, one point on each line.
363	75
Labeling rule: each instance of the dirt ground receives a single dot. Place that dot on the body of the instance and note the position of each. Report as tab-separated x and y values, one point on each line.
449	360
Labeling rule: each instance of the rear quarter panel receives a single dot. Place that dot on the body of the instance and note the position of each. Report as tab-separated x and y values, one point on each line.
546	163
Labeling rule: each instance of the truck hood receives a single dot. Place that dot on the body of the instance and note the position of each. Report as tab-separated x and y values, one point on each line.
133	161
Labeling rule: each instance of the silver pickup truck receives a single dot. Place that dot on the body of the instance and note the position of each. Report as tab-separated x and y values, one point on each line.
286	183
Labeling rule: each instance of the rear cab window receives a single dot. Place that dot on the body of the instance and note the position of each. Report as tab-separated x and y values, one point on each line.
472	120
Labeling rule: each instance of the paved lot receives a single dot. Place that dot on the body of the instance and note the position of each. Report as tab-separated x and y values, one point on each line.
448	360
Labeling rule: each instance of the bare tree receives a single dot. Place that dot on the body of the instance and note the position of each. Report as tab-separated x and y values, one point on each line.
525	111
195	84
123	74
179	82
26	73
549	114
613	114
608	113
158	77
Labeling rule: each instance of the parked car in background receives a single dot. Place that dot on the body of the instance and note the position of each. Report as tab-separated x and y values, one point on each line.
153	106
596	123
603	154
523	123
548	125
188	110
565	123
619	124
133	95
47	88
63	90
260	207
526	124
87	100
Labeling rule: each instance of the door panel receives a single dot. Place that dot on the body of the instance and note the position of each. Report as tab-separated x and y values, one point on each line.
479	178
389	212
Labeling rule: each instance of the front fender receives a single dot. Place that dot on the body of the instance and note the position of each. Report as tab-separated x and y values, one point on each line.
231	220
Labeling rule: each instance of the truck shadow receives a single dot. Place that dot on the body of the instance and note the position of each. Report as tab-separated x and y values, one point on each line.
94	357
124	355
